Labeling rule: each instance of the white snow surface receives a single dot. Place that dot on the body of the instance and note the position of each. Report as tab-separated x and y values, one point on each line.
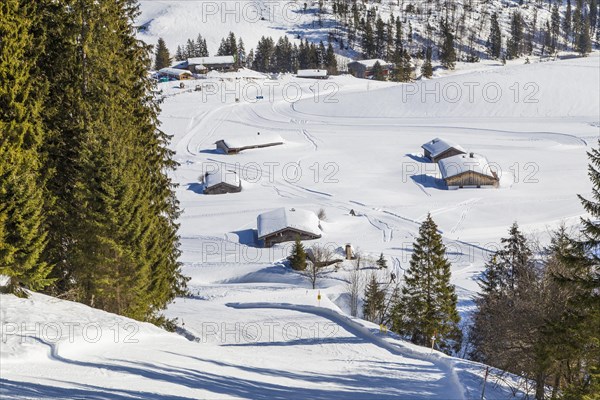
255	329
281	218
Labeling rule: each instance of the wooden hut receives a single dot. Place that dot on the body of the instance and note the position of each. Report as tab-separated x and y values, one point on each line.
221	182
235	145
285	225
468	170
438	149
174	73
364	68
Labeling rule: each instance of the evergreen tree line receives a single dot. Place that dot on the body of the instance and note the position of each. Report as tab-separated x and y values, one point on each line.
538	314
87	212
452	33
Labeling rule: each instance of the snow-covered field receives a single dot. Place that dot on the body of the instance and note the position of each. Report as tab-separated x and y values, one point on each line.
254	328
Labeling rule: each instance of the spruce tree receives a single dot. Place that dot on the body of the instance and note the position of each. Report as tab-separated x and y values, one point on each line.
331	61
427	68
374	301
22	223
381	261
298	256
494	42
567	23
427	305
377	72
162	58
584	41
447	51
514	46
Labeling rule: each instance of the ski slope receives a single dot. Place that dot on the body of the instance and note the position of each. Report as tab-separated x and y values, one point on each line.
255	329
241	350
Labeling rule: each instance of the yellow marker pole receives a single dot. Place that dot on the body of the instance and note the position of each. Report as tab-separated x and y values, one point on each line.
319	298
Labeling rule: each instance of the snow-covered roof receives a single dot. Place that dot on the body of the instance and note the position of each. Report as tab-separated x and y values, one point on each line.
221	176
252	140
437	146
461	163
211	60
174	71
282	218
308	73
370	63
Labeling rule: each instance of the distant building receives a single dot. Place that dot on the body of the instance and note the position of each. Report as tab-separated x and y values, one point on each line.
174	73
467	170
221	182
285	225
438	149
364	68
235	145
312	73
214	63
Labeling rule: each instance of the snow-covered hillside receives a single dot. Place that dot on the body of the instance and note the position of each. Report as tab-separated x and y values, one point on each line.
179	20
256	329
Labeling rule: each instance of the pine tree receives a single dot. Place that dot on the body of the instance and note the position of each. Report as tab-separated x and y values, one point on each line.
331	61
514	46
179	54
494	42
162	58
378	72
427	305
241	54
22	223
368	42
374	301
555	28
567	22
298	256
584	41
427	68
381	261
447	51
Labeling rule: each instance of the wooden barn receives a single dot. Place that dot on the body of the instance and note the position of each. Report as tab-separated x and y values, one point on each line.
364	68
235	145
438	149
221	182
312	73
285	225
468	170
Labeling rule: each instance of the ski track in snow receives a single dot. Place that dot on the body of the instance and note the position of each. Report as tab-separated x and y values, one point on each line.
441	361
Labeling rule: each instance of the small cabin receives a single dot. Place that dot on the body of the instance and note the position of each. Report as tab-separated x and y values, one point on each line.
174	73
312	73
438	149
468	171
287	224
235	145
364	68
221	182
